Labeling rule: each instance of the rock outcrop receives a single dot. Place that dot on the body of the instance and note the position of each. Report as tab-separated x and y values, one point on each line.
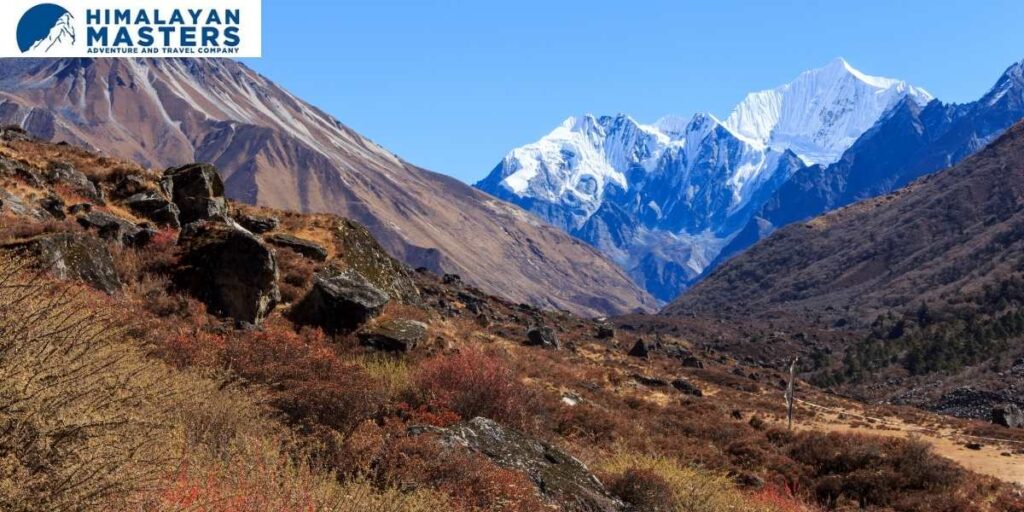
258	224
231	270
1008	415
112	227
542	336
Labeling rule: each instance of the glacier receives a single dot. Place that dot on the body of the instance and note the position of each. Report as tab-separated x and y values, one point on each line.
664	199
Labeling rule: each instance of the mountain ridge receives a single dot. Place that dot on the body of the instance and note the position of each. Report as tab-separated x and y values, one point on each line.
276	150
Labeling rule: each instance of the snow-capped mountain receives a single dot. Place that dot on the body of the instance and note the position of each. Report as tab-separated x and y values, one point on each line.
62	35
820	114
664	199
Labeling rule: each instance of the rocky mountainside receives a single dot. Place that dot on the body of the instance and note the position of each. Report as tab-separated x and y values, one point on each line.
663	200
910	141
275	150
212	353
899	295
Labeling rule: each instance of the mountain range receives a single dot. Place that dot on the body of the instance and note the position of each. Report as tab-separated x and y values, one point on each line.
273	149
671	201
903	296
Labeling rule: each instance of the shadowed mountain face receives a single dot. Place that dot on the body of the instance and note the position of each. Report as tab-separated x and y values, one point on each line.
275	150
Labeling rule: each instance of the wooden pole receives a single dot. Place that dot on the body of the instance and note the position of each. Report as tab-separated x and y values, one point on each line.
790	391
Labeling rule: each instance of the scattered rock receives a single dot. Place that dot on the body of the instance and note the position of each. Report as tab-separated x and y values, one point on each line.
66	174
542	336
640	349
53	205
129	185
198	192
692	362
452	279
306	248
559	477
973	446
111	227
73	256
16	206
340	301
652	382
80	208
232	271
1008	415
258	224
749	480
154	207
687	387
394	335
605	331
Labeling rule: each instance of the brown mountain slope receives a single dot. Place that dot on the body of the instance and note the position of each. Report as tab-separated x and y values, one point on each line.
275	150
922	285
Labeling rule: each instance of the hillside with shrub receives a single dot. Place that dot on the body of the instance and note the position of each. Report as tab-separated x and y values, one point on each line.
164	349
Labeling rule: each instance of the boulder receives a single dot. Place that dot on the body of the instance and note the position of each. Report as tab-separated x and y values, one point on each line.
129	185
231	270
80	208
394	335
605	331
15	205
73	256
53	205
641	349
452	279
686	387
542	336
340	301
198	192
651	382
1008	415
112	227
559	477
66	174
309	249
256	223
155	207
692	362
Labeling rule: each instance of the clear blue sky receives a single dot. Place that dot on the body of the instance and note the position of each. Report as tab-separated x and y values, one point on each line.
453	85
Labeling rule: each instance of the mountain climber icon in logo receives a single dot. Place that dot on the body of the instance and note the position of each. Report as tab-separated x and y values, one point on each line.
45	28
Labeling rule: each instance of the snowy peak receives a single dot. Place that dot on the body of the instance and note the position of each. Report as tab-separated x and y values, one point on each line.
821	113
61	36
1010	84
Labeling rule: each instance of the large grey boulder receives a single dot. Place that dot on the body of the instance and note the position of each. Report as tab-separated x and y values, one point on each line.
232	271
559	477
72	256
155	207
198	192
340	301
1008	415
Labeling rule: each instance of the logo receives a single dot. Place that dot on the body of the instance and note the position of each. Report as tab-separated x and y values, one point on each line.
45	28
131	28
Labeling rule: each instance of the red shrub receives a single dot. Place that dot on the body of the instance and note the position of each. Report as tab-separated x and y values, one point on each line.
474	383
309	382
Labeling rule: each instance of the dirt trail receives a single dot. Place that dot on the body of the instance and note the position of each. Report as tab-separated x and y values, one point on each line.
947	442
